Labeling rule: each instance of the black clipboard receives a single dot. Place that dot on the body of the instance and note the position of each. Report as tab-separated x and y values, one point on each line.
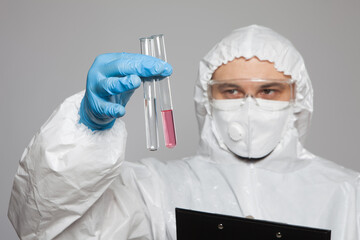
191	225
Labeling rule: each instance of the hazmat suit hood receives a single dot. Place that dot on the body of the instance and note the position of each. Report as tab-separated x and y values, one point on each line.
265	44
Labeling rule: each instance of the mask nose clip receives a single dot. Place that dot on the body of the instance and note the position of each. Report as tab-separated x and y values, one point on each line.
248	98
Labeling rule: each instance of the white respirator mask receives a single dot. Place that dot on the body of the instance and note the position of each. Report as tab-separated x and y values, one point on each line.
251	126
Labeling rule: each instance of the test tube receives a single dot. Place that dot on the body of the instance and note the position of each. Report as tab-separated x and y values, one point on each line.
165	95
151	128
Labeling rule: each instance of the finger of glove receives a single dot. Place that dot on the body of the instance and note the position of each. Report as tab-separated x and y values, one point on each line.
116	85
137	64
124	97
103	109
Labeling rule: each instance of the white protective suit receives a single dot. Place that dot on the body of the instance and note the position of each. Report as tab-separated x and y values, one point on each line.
73	183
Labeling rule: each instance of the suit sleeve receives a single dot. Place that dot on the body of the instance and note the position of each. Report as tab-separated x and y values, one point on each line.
65	169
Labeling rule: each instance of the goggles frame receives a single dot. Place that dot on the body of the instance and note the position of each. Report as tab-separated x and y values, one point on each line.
261	102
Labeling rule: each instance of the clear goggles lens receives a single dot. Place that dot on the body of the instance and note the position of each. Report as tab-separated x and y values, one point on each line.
268	94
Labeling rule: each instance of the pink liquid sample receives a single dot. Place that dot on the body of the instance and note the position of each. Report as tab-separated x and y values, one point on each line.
169	129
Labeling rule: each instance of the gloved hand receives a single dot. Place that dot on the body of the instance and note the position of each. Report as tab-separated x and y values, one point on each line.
111	81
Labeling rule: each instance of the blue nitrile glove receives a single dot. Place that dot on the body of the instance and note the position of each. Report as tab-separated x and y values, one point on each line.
111	81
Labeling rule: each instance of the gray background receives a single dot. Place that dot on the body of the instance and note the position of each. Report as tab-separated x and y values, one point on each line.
47	48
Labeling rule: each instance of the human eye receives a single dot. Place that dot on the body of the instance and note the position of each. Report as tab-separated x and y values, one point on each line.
231	92
269	93
273	91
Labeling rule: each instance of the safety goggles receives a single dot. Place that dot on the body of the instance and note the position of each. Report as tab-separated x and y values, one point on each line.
269	94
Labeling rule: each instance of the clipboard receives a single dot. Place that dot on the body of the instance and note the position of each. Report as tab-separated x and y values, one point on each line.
191	225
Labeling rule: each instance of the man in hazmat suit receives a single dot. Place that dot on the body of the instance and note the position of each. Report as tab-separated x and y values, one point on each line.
254	102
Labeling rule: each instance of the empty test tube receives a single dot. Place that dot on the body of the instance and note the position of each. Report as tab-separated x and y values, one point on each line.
151	128
165	95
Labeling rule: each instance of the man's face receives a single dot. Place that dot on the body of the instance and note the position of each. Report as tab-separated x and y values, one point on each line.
240	68
251	128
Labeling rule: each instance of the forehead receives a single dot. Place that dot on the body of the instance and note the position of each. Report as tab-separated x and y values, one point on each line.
251	68
243	83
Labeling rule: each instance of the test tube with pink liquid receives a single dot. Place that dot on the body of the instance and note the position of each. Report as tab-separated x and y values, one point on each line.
164	95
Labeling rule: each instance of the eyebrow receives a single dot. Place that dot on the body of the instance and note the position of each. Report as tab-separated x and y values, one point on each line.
226	85
275	84
266	85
